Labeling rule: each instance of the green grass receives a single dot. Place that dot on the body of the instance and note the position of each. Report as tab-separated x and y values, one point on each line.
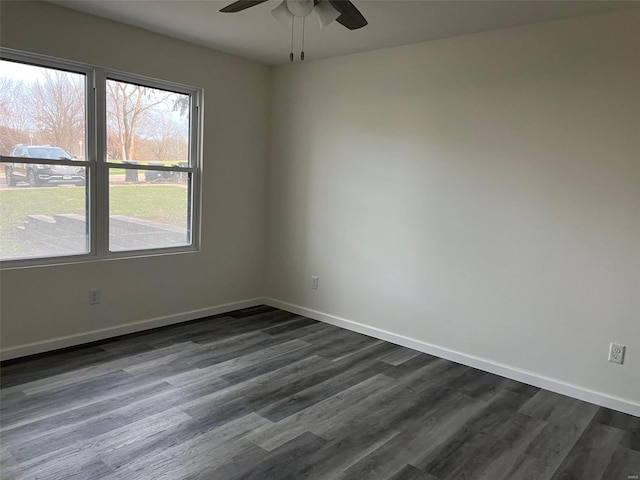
159	203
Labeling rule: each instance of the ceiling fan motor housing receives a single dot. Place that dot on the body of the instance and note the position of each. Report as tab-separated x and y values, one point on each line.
300	8
343	11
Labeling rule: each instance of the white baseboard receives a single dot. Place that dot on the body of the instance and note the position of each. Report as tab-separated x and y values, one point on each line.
104	333
508	371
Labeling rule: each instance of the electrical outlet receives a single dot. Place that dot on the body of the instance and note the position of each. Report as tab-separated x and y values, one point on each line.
314	282
94	296
616	353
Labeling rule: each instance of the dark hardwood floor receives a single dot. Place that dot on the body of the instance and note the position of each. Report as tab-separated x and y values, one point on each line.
264	394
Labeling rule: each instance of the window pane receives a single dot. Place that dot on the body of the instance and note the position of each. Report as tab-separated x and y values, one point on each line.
147	124
148	209
42	221
41	106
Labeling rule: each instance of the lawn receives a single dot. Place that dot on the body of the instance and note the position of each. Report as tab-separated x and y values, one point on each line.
159	203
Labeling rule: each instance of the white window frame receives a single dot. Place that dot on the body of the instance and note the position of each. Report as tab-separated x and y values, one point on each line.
97	166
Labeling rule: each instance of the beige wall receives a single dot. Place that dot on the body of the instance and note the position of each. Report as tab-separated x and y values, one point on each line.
480	193
43	304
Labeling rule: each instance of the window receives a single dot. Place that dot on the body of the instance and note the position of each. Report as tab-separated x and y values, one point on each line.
95	163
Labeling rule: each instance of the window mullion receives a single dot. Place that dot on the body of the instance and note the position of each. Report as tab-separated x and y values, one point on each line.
195	157
101	177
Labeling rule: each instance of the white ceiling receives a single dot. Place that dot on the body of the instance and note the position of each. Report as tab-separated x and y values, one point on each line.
255	34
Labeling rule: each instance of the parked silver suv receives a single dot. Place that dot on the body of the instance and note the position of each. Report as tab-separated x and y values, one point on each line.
35	174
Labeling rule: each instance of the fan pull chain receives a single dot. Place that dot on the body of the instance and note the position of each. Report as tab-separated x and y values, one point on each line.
302	51
292	25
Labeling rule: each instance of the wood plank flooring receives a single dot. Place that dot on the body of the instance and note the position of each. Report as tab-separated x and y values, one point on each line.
264	394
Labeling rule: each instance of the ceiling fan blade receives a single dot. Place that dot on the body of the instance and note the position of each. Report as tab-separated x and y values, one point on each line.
350	16
241	5
325	12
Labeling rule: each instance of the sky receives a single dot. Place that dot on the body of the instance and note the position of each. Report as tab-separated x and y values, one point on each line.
20	71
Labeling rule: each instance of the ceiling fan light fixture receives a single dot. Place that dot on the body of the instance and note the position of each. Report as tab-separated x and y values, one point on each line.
326	13
282	14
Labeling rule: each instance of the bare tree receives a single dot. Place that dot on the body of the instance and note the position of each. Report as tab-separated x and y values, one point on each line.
127	105
15	119
114	150
58	107
167	135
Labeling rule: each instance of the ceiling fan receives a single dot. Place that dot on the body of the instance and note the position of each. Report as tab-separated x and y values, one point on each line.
343	11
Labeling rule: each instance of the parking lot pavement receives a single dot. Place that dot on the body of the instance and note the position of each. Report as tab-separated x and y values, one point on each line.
113	180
